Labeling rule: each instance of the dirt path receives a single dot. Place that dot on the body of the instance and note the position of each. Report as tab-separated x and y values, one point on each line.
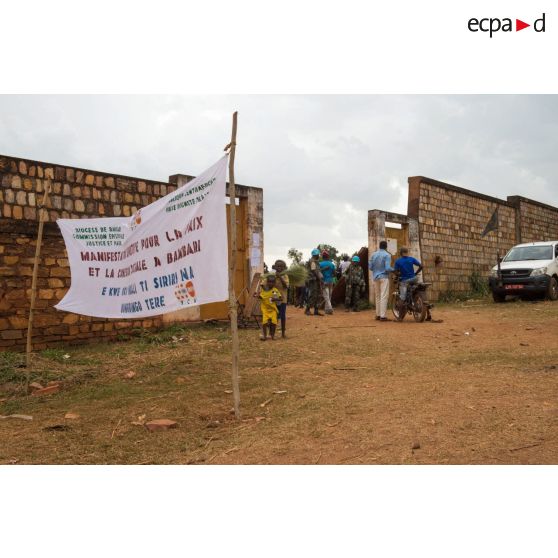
481	387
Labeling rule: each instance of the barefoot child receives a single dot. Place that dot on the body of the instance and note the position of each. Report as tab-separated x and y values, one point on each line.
269	296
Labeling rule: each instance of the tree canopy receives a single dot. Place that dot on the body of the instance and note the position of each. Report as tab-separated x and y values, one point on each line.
295	255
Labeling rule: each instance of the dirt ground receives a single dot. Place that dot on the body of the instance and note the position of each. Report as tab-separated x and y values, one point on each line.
480	387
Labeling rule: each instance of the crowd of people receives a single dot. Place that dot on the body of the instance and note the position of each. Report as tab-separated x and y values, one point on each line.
322	275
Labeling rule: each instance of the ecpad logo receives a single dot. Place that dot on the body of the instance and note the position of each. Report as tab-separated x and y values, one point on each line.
493	25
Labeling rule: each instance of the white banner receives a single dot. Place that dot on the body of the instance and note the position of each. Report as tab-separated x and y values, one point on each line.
170	255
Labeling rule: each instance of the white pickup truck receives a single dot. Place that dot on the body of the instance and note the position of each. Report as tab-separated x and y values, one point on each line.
527	270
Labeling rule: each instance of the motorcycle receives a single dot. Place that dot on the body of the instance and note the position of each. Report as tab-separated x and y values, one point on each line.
415	302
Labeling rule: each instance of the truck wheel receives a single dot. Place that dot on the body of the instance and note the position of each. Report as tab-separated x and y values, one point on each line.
498	297
552	291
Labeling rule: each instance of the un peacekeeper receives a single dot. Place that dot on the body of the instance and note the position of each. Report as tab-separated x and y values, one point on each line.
354	285
314	283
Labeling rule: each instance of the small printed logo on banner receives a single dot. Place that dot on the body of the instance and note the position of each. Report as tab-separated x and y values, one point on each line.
136	219
186	293
492	25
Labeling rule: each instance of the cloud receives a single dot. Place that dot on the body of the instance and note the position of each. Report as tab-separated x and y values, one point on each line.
323	160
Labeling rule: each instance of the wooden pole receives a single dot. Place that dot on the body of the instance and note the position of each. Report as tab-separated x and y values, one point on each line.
232	268
29	346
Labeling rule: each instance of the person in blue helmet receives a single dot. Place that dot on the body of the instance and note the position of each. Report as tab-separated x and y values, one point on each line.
314	283
355	285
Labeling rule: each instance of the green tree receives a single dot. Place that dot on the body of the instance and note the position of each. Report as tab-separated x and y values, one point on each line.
295	255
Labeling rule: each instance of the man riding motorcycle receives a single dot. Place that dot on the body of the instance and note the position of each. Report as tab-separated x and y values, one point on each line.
405	265
407	276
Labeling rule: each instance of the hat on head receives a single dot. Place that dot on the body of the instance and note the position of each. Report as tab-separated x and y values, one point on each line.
355	259
325	254
315	252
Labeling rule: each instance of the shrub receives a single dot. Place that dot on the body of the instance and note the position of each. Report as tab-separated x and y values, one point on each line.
479	284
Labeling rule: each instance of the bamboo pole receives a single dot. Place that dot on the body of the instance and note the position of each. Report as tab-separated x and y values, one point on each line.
29	345
232	268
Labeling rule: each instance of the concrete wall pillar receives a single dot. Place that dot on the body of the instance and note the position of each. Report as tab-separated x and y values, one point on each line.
376	233
254	230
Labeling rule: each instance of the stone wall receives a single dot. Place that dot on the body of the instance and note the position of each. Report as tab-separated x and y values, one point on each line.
451	221
75	193
537	221
17	254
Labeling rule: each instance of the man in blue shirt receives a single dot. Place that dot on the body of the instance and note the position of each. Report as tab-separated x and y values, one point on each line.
380	266
328	270
405	265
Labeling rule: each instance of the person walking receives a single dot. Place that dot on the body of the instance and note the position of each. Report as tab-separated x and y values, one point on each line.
314	283
328	269
354	285
380	267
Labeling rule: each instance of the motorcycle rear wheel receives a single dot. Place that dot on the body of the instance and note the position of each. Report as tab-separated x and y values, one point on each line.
420	307
398	308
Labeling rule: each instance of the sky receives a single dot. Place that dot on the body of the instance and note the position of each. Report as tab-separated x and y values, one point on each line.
322	160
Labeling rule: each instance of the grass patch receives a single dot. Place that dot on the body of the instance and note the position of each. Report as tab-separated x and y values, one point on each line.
11	406
452	297
479	285
170	334
11	367
69	357
478	289
58	355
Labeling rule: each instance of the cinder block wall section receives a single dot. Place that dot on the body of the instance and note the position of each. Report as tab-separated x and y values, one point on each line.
537	221
444	225
451	221
75	193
